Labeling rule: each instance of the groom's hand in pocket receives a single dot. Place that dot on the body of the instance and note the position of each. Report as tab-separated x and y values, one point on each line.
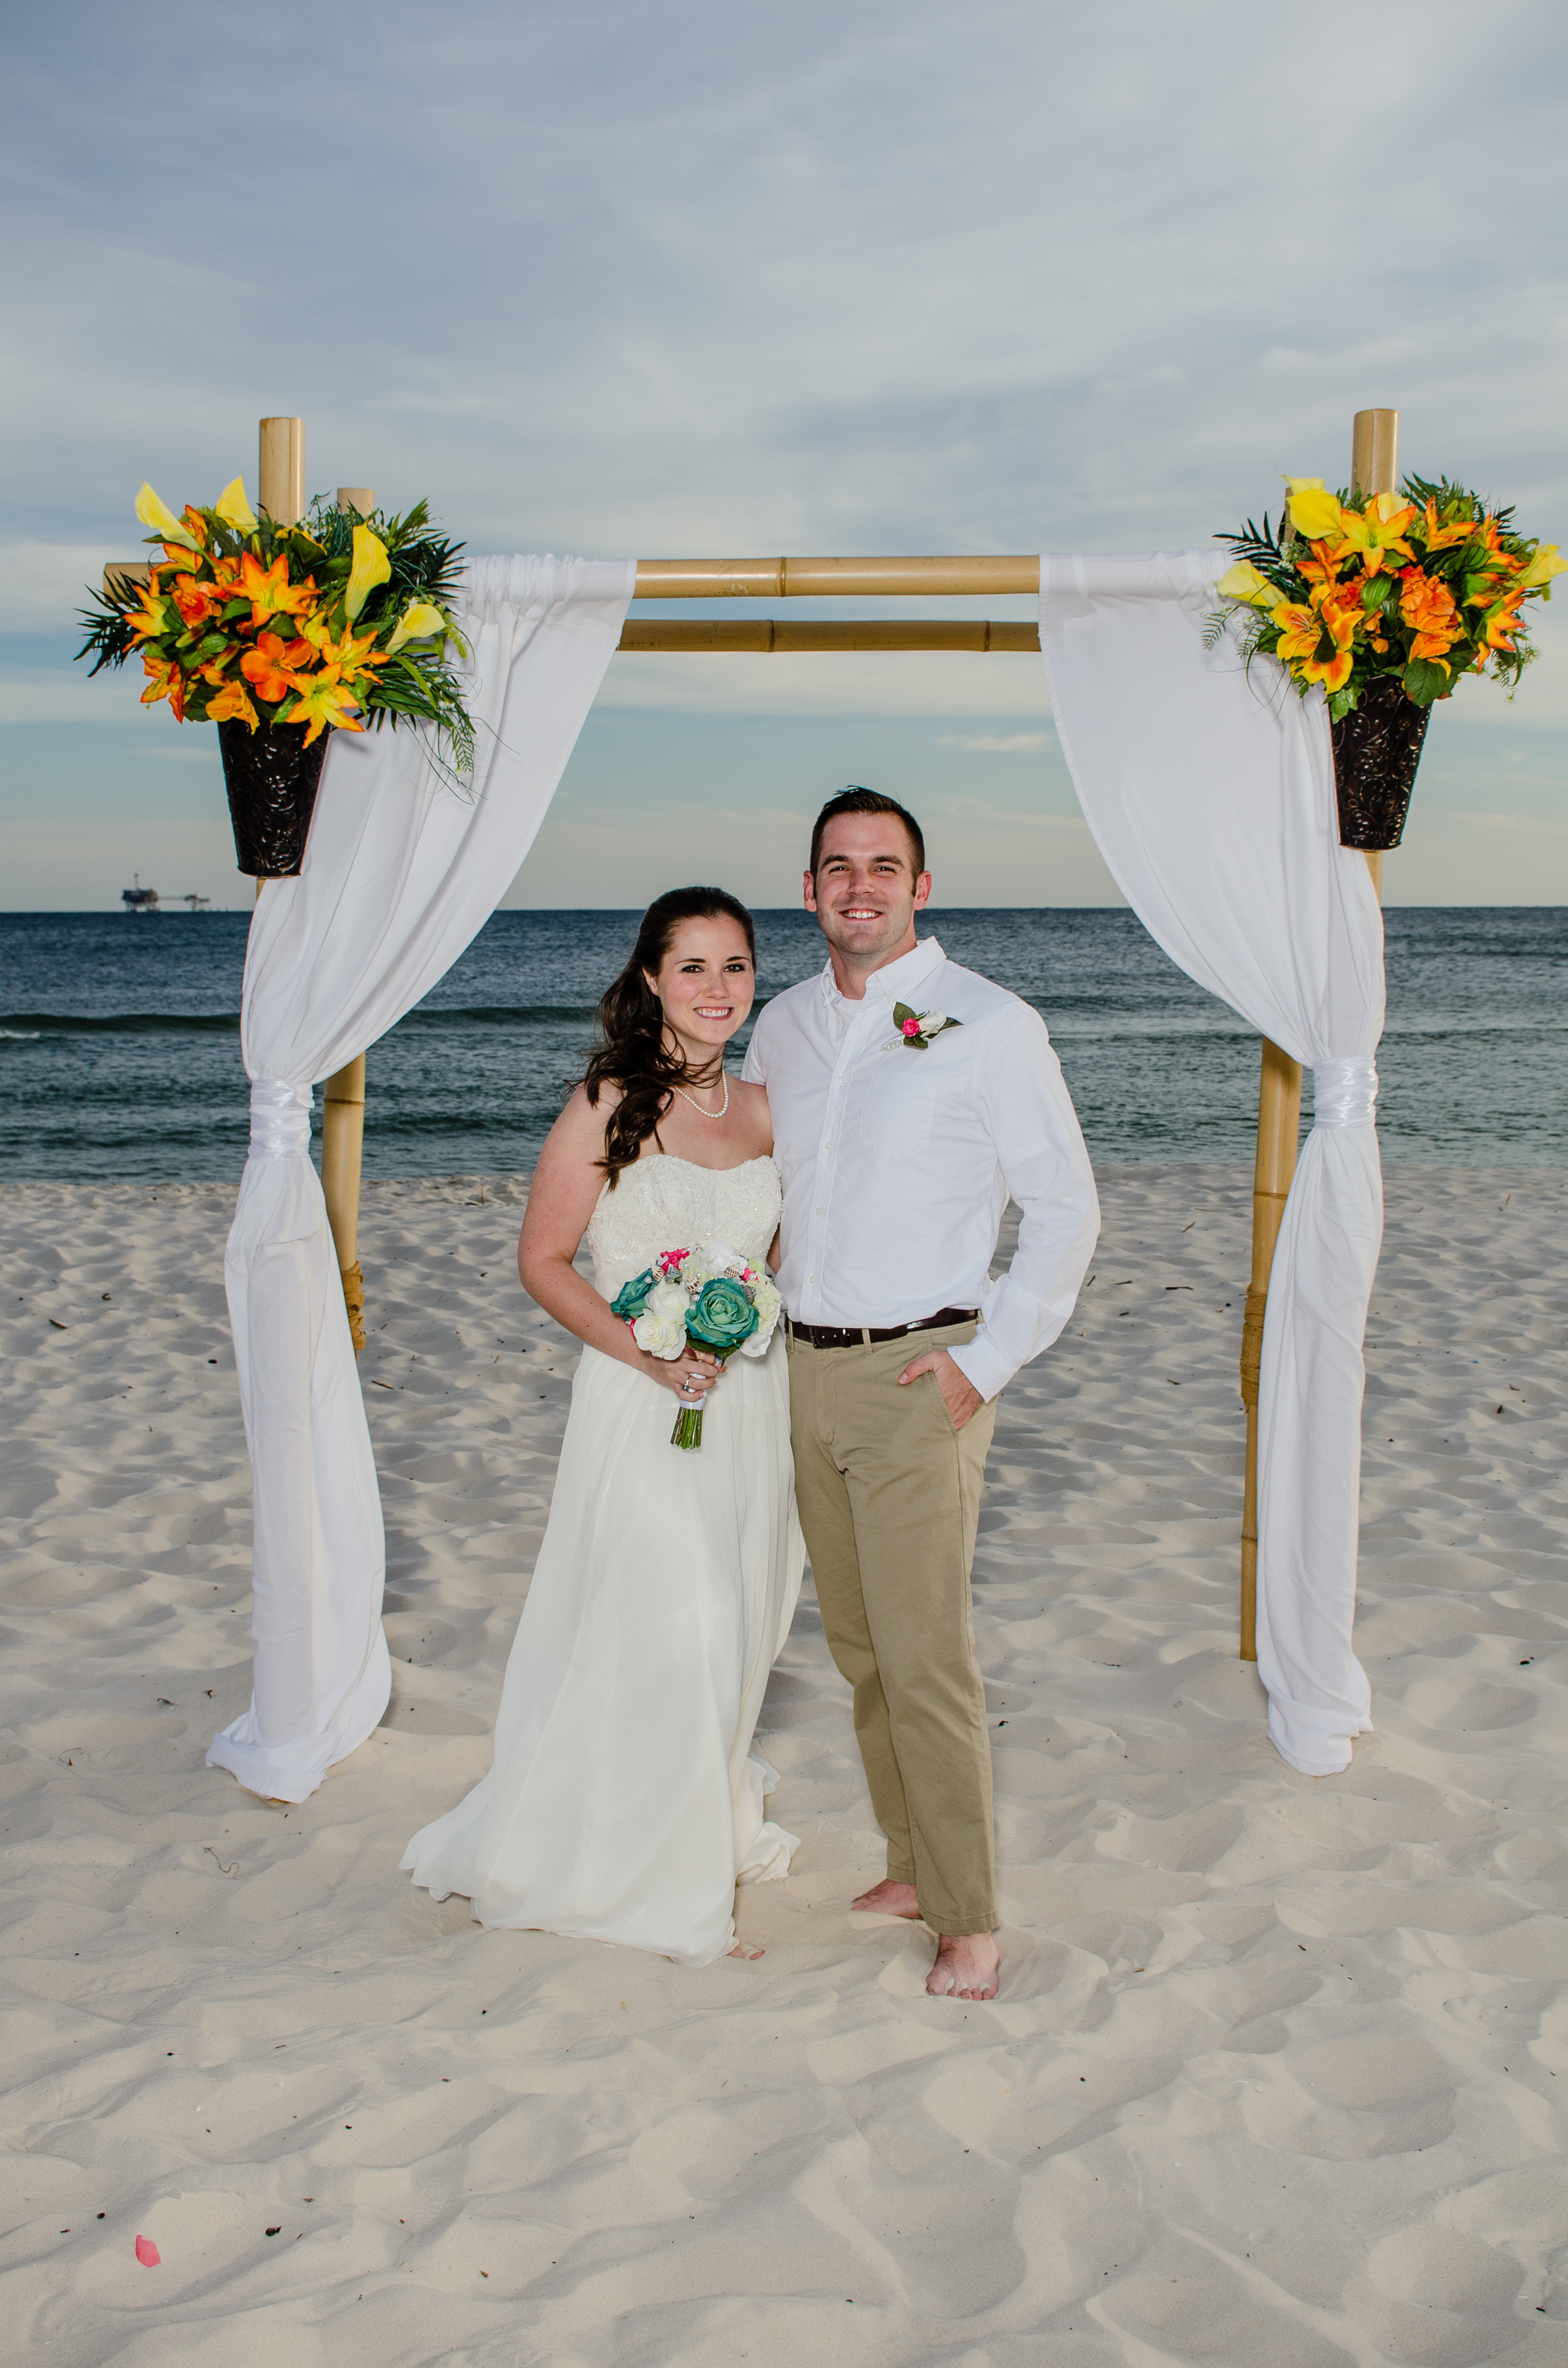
959	1392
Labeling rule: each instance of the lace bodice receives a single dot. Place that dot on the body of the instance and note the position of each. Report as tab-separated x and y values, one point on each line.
663	1203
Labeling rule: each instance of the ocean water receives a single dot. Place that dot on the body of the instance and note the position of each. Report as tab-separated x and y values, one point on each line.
119	1051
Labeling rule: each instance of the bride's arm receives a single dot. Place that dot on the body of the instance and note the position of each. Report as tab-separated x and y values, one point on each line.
562	1198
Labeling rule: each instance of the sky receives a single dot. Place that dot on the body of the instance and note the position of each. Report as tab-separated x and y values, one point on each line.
713	278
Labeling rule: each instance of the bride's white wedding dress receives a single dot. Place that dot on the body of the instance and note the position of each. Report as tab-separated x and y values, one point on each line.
624	1803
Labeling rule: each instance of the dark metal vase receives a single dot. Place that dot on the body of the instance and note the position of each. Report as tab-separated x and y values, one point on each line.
272	780
1376	750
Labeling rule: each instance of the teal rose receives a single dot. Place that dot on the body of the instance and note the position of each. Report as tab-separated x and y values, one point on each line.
630	1299
722	1315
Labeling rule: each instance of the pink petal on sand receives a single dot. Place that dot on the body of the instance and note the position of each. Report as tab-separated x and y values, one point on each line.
147	2253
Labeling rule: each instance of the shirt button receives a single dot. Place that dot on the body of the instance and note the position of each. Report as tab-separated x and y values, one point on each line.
811	1278
816	1212
827	1144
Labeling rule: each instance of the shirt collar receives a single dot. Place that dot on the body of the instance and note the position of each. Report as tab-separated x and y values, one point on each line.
895	983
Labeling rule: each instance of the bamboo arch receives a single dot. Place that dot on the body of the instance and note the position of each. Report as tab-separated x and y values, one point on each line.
1374	469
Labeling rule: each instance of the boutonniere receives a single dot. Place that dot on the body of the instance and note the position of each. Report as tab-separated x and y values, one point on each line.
917	1029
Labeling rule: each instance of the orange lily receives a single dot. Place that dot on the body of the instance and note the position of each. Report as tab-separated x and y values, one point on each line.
1504	622
1428	606
269	591
196	600
1437	537
269	666
1303	639
232	704
166	682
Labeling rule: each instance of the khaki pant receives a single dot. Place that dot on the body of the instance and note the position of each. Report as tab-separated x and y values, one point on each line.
889	1501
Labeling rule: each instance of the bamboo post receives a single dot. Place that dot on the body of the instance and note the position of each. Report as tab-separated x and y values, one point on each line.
281	473
1278	1130
1374	469
342	1113
342	1146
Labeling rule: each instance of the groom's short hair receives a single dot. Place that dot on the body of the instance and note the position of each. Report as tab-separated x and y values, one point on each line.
869	802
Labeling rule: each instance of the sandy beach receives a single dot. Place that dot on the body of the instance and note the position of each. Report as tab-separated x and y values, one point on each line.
1318	2026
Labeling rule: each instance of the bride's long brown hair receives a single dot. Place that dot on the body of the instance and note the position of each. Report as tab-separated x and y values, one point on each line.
628	1040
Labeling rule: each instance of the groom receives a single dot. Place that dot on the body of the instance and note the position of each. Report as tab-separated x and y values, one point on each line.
901	1141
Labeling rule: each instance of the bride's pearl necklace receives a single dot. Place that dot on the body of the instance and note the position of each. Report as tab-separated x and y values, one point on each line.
698	1106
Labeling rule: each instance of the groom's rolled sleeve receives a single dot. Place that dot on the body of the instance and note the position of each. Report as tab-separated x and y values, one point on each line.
1034	1131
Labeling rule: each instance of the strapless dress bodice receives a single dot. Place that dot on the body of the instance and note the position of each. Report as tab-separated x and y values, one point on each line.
664	1203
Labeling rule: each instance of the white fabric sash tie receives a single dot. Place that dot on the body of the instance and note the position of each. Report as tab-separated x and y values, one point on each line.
279	1119
1345	1093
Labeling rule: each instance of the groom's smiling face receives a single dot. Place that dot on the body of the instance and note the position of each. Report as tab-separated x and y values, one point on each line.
866	891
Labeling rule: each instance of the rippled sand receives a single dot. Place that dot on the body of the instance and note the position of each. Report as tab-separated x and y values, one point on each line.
1318	2026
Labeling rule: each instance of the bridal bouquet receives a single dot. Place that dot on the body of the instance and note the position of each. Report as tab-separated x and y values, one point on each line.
710	1295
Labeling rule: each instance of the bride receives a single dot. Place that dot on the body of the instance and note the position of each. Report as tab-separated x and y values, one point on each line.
623	1801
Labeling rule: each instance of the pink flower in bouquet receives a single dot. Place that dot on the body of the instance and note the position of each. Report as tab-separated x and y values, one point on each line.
912	1027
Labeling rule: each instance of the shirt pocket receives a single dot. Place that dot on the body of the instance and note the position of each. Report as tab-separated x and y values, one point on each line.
901	1101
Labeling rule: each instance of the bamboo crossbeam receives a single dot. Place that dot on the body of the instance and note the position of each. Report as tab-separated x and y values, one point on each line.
777	634
784	579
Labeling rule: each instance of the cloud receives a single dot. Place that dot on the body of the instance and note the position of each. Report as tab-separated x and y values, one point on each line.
988	743
711	279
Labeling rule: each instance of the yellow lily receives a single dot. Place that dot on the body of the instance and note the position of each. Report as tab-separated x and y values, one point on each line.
420	619
1543	567
161	520
322	702
234	509
371	566
1315	512
1376	530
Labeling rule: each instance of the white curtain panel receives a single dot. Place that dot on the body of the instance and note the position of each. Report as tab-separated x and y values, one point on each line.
402	869
1209	789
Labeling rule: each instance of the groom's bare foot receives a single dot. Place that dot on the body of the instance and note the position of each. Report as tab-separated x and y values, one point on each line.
890	1899
748	1956
968	1966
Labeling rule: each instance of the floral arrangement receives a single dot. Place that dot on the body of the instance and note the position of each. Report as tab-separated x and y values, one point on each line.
1416	587
711	1295
323	624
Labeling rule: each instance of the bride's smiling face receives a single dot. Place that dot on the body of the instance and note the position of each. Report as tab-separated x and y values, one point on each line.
706	982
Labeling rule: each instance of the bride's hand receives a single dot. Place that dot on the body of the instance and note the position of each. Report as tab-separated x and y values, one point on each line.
690	1376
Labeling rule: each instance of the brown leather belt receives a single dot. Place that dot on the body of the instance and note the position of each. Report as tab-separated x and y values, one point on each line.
855	1336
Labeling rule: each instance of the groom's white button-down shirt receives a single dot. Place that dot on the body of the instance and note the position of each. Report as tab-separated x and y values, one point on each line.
898	1164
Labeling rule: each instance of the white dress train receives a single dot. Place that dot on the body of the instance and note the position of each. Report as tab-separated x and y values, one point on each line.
624	1802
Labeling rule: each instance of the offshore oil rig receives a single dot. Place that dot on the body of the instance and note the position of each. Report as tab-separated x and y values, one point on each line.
146	900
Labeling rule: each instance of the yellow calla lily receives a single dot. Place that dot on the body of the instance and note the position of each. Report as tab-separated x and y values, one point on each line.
371	566
420	619
1543	567
1315	512
1243	581
234	509
161	520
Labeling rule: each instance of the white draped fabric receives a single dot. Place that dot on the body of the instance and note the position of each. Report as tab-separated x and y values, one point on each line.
1210	794
400	870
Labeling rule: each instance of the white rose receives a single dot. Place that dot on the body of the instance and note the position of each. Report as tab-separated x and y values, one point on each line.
668	1300
658	1337
765	1298
931	1022
717	1259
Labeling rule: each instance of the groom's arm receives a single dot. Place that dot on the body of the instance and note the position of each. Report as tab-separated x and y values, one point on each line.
1034	1129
